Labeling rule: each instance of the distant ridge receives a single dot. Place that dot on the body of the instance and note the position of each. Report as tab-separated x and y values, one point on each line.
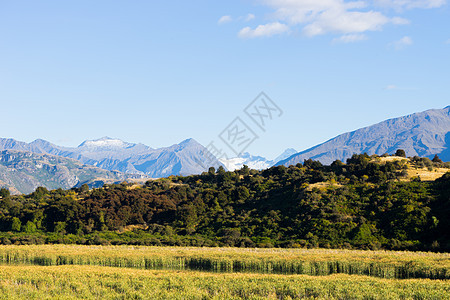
116	155
23	172
423	134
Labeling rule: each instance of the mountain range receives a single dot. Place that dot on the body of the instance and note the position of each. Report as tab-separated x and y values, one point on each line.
423	134
23	172
24	166
115	155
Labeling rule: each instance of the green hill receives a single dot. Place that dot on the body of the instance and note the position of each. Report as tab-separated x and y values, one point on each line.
370	202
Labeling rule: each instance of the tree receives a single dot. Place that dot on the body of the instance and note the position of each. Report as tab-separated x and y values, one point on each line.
30	227
221	171
211	171
337	163
436	159
245	170
400	153
39	193
60	227
312	164
242	194
84	188
16	224
4	193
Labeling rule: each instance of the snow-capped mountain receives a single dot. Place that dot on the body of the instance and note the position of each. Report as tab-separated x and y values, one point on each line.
105	144
254	162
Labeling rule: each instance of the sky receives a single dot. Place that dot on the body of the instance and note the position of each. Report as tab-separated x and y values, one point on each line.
159	72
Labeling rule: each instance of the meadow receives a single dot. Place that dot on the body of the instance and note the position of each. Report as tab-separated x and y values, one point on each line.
93	282
383	264
129	272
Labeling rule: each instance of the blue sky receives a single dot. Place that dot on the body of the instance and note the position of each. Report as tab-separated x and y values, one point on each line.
159	72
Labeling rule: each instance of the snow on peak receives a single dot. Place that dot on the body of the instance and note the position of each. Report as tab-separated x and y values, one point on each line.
106	143
253	162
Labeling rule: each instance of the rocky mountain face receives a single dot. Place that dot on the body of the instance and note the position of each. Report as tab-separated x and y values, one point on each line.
115	155
424	134
23	172
254	162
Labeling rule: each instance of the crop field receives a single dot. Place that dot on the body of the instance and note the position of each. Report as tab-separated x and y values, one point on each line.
125	272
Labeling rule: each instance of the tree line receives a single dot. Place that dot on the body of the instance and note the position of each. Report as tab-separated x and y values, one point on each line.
365	203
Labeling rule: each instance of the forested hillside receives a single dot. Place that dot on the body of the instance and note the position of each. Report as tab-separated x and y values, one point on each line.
370	202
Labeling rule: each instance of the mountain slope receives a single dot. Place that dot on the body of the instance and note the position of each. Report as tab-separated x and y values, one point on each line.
286	154
23	172
424	134
113	154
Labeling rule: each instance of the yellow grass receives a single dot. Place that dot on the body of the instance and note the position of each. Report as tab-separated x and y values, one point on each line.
385	264
128	272
92	282
425	174
391	159
413	172
323	185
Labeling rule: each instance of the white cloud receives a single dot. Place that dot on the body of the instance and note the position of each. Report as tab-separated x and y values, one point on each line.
228	19
266	30
330	16
392	87
249	17
318	17
410	4
306	11
447	42
402	43
347	22
225	19
350	38
400	21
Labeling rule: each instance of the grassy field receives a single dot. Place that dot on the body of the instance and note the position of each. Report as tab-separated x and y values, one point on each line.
383	264
93	282
413	171
125	272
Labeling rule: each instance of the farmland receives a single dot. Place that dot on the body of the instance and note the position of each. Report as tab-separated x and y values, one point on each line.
119	272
